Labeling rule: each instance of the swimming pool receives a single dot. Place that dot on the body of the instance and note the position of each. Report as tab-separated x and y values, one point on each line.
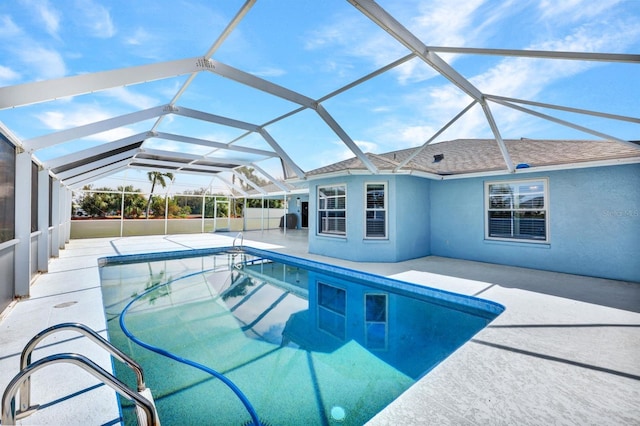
305	342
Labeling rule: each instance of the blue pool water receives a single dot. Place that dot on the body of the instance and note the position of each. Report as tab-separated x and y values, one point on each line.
305	342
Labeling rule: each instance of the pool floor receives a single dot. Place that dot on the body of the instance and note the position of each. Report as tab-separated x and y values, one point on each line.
268	339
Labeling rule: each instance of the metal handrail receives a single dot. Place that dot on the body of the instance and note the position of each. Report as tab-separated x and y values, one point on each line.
8	398
25	359
241	236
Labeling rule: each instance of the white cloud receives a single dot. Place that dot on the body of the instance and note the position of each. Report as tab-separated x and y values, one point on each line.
524	78
48	16
347	36
7	75
137	37
79	115
28	55
46	63
574	10
436	23
8	28
58	120
446	22
129	97
96	18
338	151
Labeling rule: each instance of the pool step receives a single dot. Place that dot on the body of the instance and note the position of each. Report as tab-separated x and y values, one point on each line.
141	414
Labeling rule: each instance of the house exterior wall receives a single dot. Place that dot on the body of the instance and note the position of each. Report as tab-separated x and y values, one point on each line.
593	228
594	223
412	226
407	217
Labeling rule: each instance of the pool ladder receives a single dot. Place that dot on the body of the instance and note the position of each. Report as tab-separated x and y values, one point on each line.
233	245
145	407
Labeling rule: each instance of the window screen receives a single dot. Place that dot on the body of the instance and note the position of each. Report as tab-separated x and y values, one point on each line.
7	189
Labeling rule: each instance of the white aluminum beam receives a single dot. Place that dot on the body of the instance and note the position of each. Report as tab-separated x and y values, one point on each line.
96	174
231	185
204	142
261	84
282	153
43	221
78	132
346	139
9	135
243	178
230	27
96	150
368	76
56	192
566	123
182	172
381	17
160	163
432	138
271	178
171	155
343	88
212	118
496	133
97	164
546	54
568	109
173	165
41	91
411	42
214	47
22	225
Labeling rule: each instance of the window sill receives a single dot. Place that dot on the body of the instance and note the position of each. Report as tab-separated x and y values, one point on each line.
9	243
519	243
337	237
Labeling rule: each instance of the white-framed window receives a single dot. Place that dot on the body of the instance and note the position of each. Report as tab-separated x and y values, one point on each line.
517	210
376	320
375	210
332	210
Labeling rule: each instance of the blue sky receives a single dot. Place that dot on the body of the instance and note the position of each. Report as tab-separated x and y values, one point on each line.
316	47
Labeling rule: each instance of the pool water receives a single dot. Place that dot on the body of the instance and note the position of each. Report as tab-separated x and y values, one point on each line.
307	343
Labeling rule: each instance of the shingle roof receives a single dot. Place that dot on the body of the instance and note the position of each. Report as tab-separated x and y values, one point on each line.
462	156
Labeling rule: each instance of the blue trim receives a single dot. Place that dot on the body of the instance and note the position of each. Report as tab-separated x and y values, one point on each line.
460	302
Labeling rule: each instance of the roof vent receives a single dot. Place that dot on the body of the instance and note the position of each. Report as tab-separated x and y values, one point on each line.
438	158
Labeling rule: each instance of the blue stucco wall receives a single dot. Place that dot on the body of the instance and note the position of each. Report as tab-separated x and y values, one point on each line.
408	217
594	223
412	226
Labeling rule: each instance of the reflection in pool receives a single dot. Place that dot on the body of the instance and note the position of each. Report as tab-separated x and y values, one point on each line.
304	341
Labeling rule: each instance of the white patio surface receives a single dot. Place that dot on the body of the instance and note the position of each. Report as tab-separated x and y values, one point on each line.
566	351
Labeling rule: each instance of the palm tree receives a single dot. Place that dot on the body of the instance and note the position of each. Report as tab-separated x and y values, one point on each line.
156	177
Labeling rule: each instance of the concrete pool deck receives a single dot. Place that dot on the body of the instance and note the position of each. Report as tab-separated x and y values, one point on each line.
565	351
